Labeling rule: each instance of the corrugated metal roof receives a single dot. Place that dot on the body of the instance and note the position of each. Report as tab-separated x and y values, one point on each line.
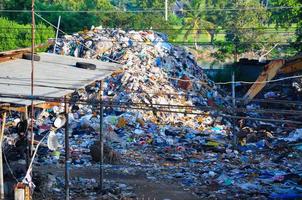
55	76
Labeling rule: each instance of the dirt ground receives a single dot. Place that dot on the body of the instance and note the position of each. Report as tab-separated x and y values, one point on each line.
143	187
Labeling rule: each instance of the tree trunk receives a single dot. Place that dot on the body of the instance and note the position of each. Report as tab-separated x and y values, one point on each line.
212	35
236	53
195	42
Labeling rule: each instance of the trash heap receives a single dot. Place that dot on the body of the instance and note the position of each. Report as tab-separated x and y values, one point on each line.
154	71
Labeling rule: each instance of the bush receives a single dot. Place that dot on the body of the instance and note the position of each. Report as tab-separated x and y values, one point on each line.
14	35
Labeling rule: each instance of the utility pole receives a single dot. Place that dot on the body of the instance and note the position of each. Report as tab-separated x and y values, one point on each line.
1	161
166	10
57	33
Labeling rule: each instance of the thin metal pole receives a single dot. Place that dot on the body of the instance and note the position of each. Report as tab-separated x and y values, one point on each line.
57	34
234	106
67	162
101	138
166	10
1	161
26	135
32	72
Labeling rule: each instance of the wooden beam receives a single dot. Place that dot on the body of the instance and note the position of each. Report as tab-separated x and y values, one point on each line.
47	105
292	66
18	53
269	72
17	109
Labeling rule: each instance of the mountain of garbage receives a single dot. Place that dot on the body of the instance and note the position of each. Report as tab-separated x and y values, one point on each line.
154	71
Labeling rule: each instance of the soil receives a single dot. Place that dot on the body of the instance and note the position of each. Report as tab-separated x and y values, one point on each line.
143	187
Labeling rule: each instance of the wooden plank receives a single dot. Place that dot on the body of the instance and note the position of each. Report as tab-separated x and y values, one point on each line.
292	66
269	72
47	105
17	109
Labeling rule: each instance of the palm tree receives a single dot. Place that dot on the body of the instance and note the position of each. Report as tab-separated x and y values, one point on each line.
194	21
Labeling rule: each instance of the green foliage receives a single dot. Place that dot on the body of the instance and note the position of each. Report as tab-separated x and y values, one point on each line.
238	25
19	35
285	17
195	22
175	20
298	43
75	21
225	50
214	14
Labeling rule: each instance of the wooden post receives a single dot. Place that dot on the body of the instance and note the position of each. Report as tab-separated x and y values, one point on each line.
1	161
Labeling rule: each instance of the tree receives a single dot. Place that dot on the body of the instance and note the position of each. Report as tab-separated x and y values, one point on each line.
298	44
71	21
285	18
19	35
245	27
215	15
195	22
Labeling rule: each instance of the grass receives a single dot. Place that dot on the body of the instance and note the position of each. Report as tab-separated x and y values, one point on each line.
205	38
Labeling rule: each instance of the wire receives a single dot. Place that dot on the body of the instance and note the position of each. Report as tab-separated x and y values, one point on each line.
40	85
172	78
8	165
273	101
152	106
242	82
85	11
273	30
216	43
151	10
259	82
246	8
32	159
223	115
174	42
22	28
181	93
67	34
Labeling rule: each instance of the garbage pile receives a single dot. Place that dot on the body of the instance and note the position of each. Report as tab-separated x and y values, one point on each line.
154	71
